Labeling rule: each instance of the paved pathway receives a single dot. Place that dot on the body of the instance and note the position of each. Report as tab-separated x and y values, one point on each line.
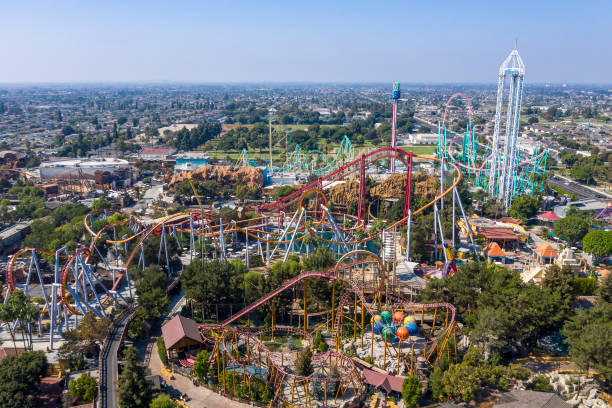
201	397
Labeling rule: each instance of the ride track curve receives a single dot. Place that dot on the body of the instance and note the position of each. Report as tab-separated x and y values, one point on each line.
473	166
216	334
178	219
354	289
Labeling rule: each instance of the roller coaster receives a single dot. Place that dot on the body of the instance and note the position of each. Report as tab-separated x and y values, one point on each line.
476	158
245	352
91	278
312	162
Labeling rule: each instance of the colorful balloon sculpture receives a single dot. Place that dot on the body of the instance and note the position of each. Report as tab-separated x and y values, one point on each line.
394	326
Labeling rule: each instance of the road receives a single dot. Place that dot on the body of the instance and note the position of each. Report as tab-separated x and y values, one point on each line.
109	377
577	188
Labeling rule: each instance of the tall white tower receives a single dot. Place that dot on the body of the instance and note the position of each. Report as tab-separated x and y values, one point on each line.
504	158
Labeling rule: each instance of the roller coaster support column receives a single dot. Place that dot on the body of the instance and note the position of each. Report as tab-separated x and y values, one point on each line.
435	238
442	185
438	219
337	232
408	235
295	231
305	312
361	189
191	238
408	185
115	247
393	134
246	243
454	223
221	238
284	234
53	310
467	223
163	241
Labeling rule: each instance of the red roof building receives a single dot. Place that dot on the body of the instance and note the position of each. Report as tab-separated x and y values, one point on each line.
504	237
511	220
181	332
548	217
385	382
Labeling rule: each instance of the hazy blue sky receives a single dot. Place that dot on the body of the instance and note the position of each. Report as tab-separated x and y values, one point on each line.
333	40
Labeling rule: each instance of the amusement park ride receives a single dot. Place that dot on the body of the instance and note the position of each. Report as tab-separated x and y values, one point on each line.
499	166
402	337
313	161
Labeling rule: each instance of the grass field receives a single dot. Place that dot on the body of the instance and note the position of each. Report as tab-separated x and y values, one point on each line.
278	153
428	150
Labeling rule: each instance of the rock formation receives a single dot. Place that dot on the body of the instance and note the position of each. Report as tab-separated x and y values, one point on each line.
223	175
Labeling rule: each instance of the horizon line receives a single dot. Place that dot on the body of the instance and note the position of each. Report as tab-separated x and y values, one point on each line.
264	82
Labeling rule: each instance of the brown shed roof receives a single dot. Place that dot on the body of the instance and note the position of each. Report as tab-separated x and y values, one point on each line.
499	233
385	381
178	328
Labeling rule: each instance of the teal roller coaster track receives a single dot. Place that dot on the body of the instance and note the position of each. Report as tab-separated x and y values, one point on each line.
312	162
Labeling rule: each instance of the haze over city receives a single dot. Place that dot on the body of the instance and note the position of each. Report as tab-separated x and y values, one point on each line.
314	41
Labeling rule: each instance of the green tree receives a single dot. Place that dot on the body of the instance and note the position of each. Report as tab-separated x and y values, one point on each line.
604	291
541	383
321	259
496	306
411	391
150	289
100	204
560	281
572	228
18	378
163	401
303	365
161	350
589	335
524	207
214	282
8	315
93	329
598	243
133	390
25	312
83	388
201	366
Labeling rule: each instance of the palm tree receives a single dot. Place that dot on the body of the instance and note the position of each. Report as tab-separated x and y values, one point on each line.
29	314
8	316
24	311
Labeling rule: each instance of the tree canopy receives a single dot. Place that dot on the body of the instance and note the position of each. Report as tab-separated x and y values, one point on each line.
83	388
598	243
411	391
589	335
163	401
18	378
524	207
496	306
572	228
133	391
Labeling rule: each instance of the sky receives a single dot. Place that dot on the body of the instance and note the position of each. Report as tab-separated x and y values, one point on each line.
425	41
